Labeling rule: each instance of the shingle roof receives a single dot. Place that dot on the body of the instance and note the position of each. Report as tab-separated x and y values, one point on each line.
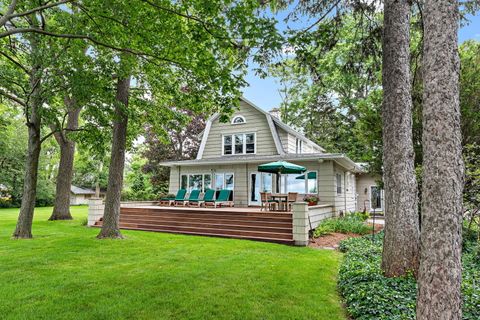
340	158
78	190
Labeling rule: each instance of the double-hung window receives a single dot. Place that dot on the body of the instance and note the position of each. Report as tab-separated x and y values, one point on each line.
299	146
239	143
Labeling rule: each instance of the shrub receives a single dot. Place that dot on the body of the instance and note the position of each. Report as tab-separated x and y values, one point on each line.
5	202
351	223
369	295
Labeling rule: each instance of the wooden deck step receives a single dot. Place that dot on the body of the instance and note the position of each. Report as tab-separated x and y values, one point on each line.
219	215
265	236
203	211
230	223
212	221
230	226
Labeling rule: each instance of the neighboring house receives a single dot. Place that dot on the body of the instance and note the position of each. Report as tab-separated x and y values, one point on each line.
230	153
81	196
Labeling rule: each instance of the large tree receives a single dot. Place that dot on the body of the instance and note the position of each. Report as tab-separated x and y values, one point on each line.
401	242
439	278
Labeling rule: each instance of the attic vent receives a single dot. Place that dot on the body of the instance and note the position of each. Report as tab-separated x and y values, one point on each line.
238	120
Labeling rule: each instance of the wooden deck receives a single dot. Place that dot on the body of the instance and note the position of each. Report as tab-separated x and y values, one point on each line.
241	223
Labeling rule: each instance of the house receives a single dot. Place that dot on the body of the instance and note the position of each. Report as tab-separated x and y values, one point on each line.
81	196
230	153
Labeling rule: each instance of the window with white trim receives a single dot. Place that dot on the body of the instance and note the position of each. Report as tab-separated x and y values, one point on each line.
298	146
239	143
196	181
339	183
238	120
305	183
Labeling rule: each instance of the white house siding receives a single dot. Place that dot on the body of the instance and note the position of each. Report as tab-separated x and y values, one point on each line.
283	135
78	199
256	122
364	182
289	143
325	181
346	201
174	181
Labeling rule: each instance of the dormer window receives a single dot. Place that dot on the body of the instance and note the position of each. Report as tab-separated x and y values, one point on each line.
238	120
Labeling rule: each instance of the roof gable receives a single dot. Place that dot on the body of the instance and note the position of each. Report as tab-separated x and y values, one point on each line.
256	120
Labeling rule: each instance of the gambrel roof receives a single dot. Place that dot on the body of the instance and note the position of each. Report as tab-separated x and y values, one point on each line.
273	122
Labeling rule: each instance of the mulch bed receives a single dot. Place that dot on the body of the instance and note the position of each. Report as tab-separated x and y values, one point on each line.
332	240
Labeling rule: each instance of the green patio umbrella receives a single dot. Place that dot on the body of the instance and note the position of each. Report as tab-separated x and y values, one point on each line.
281	167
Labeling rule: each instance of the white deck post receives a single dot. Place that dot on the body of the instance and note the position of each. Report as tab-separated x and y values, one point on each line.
95	210
300	224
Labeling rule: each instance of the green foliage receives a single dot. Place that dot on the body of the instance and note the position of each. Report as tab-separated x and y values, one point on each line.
470	91
332	80
351	223
138	184
369	295
13	142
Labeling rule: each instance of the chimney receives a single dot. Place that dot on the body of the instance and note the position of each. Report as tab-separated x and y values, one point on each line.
275	112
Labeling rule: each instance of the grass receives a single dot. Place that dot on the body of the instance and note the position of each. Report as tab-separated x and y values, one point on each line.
65	273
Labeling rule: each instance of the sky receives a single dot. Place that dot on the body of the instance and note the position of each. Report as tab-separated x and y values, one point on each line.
264	92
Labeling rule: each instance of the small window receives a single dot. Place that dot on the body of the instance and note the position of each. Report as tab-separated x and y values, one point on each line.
184	183
299	146
250	143
339	183
207	182
238	120
239	144
227	145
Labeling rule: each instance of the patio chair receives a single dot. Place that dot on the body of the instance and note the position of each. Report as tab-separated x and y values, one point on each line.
209	196
223	198
171	200
292	198
193	196
267	201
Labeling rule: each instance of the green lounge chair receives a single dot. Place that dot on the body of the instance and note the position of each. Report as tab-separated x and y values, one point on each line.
209	196
170	200
194	195
223	198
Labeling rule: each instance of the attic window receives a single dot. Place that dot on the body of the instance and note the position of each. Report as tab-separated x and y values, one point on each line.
238	120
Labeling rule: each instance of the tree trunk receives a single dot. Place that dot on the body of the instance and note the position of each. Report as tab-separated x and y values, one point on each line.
61	207
111	216
440	273
25	218
401	243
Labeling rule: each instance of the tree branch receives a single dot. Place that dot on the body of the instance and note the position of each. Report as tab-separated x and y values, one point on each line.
88	38
321	18
18	64
12	97
7	16
196	19
34	10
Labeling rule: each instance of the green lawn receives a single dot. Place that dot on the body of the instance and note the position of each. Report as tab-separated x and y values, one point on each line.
65	273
